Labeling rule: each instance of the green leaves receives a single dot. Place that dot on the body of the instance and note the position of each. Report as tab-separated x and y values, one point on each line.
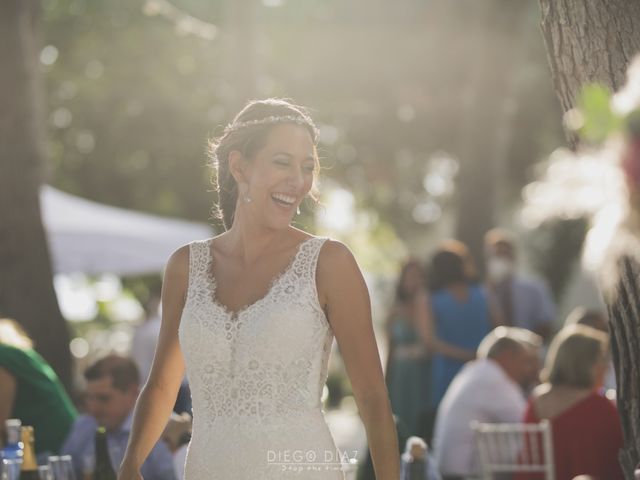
595	120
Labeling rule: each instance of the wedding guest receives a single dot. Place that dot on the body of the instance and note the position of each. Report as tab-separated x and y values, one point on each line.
31	391
407	373
113	384
490	389
524	301
587	435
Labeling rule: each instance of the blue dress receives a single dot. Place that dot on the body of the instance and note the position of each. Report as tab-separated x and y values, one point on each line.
463	324
407	377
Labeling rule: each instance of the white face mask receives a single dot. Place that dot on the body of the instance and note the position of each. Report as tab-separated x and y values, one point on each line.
499	268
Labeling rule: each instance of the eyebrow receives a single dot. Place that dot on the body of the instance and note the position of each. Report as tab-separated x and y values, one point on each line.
308	157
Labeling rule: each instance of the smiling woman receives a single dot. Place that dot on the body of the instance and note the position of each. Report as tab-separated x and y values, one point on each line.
247	135
252	314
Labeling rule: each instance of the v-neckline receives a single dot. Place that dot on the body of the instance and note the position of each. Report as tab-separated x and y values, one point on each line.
270	286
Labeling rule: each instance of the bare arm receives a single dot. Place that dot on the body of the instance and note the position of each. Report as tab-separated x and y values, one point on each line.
426	329
8	387
158	396
388	326
344	295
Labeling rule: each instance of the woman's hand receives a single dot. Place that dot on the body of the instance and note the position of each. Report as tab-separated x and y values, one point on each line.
129	471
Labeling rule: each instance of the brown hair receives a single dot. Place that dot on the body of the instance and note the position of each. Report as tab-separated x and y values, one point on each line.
451	263
401	294
591	318
572	354
248	140
122	370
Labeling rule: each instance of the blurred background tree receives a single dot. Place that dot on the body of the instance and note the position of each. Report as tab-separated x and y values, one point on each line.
594	42
589	42
428	110
26	285
432	113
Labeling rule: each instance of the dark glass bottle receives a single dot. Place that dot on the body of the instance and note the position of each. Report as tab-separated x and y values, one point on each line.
104	470
29	468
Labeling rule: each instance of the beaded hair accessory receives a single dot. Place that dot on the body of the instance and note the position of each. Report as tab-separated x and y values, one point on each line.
272	120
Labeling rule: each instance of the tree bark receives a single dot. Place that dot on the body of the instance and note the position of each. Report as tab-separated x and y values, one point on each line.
624	326
589	41
26	285
594	41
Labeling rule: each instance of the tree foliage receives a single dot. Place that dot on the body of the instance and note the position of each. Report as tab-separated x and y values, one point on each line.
133	101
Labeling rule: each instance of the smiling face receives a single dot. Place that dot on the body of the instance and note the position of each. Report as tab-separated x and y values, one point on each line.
277	177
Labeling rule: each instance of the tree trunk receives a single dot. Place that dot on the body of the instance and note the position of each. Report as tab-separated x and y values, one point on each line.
624	325
594	42
485	130
587	42
26	286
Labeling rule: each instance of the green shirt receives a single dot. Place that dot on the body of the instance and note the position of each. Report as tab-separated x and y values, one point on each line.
40	400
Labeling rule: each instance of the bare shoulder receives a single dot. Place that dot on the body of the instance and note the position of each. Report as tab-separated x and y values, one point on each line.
337	273
178	263
176	274
335	258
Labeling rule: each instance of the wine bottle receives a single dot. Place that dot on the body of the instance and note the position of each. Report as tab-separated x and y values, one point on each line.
103	470
29	469
13	448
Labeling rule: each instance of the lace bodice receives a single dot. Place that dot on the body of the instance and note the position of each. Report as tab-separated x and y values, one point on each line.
257	372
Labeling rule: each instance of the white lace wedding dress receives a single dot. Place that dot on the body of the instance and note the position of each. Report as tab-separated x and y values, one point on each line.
257	375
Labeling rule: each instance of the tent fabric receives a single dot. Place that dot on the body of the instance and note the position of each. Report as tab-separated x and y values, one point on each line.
92	238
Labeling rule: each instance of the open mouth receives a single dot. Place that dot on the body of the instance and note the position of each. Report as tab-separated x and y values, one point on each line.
283	200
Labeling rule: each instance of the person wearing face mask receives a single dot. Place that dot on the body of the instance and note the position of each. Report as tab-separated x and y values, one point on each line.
525	302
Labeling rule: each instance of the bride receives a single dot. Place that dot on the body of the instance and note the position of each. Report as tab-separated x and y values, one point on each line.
252	314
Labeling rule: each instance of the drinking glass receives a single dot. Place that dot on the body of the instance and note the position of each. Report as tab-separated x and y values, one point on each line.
11	469
67	467
62	467
45	472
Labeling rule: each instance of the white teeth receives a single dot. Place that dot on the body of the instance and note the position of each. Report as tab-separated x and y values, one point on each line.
284	198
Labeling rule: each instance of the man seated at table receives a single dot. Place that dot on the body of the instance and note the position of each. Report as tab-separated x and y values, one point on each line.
490	389
112	389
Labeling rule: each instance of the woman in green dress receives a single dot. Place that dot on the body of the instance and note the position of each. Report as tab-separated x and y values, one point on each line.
30	391
408	361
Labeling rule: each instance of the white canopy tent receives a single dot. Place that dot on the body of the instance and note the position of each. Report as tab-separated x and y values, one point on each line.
92	238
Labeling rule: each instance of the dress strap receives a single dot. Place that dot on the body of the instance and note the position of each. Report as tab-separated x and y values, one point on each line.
313	252
198	264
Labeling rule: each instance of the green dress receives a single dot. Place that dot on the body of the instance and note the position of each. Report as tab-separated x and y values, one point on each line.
40	400
407	377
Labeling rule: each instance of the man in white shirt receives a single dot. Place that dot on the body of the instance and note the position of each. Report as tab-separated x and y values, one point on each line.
489	389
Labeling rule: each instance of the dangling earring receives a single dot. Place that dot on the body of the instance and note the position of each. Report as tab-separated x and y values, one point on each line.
298	210
245	195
